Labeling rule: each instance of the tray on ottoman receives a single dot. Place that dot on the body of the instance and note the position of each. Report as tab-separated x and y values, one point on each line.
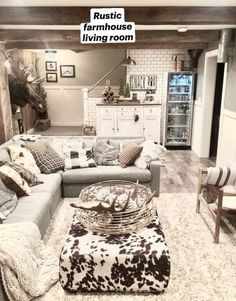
135	262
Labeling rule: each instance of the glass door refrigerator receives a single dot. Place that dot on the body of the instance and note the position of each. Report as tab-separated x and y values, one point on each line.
179	109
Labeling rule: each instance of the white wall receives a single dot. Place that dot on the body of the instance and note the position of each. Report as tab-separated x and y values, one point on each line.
64	97
227	143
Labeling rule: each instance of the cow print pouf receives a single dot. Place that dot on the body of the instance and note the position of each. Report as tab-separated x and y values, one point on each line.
95	262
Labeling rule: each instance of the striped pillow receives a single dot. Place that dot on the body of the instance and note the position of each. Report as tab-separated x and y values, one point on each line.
221	176
129	154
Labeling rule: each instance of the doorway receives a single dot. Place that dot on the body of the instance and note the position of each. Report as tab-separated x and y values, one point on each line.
216	110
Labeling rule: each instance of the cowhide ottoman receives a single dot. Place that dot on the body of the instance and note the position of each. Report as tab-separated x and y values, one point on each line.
95	262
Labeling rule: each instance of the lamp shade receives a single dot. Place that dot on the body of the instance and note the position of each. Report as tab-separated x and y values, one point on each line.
128	61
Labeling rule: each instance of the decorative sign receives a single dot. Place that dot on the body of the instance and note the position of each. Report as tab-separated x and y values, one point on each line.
143	82
107	25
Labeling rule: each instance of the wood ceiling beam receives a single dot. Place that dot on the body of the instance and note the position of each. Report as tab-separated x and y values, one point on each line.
78	46
166	15
142	36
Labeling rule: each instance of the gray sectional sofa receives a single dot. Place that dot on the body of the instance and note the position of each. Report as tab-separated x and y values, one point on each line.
41	204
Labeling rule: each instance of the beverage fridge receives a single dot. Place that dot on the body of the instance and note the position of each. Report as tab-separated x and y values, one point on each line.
179	109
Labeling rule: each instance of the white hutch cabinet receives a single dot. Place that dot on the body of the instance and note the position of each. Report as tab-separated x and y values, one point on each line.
129	120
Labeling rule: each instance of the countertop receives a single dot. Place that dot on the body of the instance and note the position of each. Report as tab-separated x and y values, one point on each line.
128	103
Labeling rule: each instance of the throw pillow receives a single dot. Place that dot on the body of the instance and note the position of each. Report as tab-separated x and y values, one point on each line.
25	173
8	201
150	152
14	181
46	157
78	157
105	154
22	156
129	154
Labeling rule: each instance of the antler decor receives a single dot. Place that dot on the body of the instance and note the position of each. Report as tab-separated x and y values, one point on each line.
115	206
102	207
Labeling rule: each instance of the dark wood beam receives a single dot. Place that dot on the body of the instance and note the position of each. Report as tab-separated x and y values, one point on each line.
77	46
145	36
155	15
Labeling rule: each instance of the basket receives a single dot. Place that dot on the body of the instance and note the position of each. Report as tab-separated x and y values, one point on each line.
139	213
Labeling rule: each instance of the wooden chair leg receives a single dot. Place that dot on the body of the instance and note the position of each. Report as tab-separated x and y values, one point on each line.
199	191
218	218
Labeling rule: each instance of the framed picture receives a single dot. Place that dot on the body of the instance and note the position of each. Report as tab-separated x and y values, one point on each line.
67	70
143	82
51	77
51	66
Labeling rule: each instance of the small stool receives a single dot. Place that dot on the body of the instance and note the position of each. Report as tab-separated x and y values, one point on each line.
95	262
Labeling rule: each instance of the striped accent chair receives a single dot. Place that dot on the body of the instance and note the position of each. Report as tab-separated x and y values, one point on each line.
217	191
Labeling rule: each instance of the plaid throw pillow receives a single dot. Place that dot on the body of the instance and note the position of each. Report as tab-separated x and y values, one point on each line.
25	173
78	158
46	158
129	154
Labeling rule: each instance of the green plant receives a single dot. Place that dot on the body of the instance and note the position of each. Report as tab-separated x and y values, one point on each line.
122	88
127	91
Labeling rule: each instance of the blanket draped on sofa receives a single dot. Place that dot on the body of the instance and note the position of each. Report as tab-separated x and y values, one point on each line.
27	268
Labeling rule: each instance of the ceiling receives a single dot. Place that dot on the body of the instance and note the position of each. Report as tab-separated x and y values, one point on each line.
40	26
121	3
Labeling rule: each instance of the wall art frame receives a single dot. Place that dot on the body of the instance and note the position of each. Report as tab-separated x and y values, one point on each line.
67	71
51	77
51	66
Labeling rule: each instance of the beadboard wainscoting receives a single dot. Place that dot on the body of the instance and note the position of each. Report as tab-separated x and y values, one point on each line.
65	105
227	142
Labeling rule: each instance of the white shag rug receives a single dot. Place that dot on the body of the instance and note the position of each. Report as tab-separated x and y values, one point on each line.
200	270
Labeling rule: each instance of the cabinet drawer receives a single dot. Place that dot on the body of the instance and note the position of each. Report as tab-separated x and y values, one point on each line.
107	111
130	110
151	111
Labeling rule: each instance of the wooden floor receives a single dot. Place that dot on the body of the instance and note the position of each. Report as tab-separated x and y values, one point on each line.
180	173
61	131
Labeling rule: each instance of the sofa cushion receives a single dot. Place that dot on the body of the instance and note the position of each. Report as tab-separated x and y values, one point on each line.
50	183
46	157
22	156
4	155
8	200
129	154
119	143
25	173
103	173
14	181
105	154
34	208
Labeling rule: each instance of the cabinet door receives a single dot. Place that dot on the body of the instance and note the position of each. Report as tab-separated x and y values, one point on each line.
106	122
126	126
107	126
151	124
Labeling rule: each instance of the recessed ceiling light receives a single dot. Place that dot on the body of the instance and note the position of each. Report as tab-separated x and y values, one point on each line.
182	29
